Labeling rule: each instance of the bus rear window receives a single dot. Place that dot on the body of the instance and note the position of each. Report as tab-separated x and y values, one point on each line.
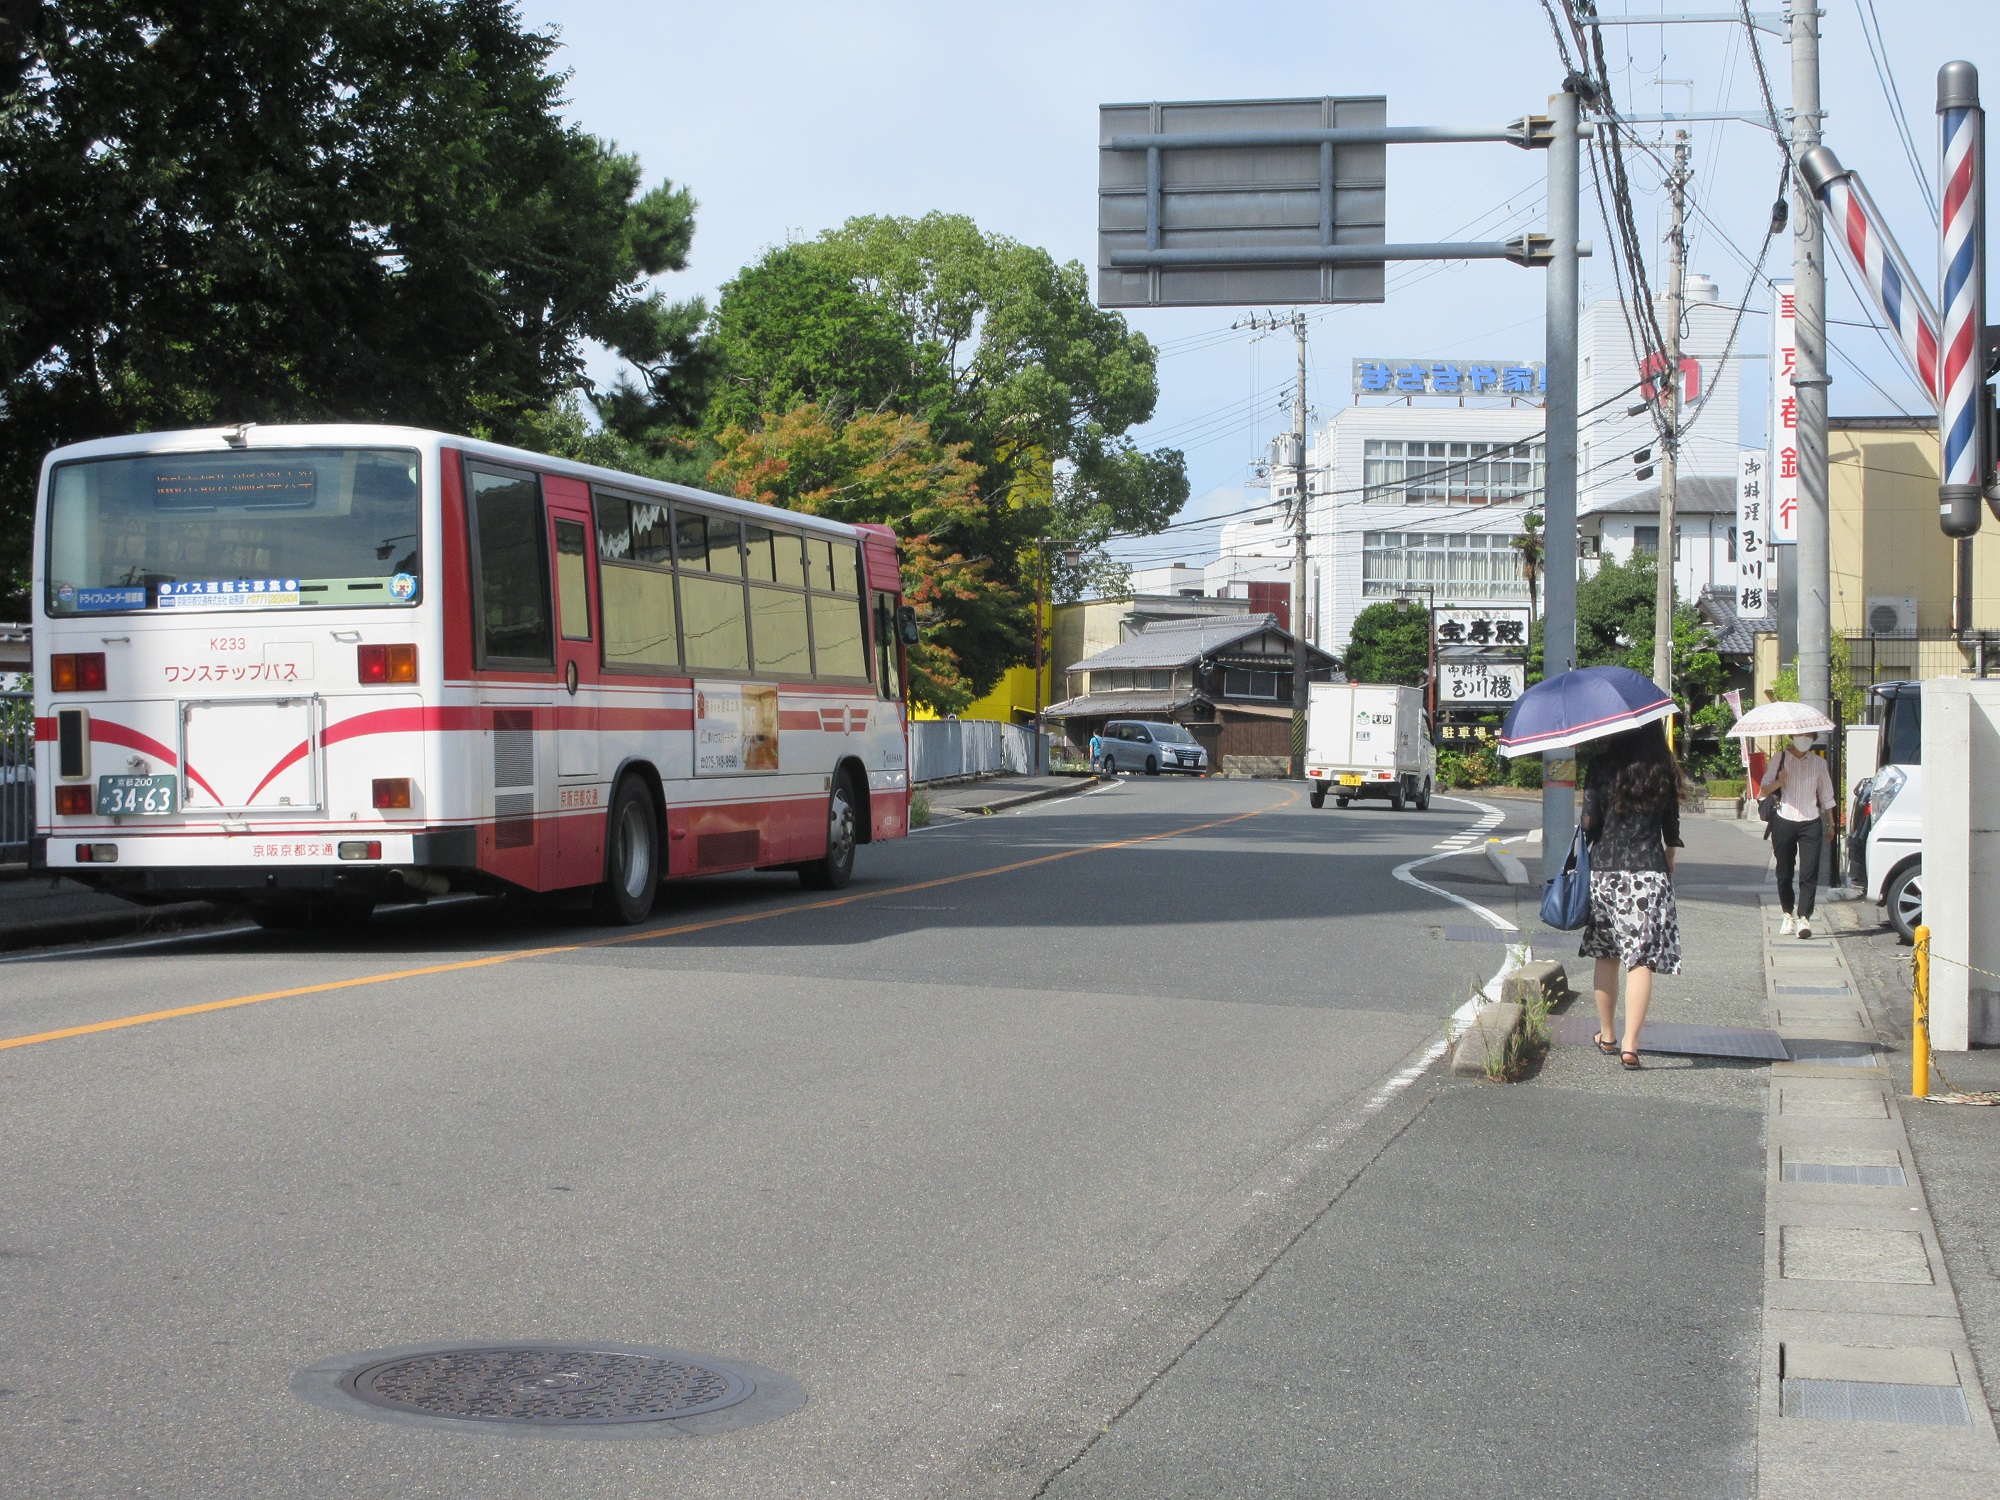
293	528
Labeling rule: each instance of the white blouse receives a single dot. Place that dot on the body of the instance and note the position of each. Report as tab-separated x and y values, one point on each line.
1805	787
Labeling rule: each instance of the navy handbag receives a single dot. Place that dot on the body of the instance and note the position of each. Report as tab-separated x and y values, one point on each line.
1566	895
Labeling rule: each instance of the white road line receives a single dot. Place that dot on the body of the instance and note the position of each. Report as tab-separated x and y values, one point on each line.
1517	953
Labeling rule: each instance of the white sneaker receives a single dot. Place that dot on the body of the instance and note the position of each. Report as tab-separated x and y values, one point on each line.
1787	927
1805	927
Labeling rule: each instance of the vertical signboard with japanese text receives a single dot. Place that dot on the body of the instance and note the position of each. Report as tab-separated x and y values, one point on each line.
1781	492
1753	581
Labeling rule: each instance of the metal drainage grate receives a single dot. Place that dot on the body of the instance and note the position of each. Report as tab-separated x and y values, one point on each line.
1844	1176
1832	1054
1877	1401
546	1385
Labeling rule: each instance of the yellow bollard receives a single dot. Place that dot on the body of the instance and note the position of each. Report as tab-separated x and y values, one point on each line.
1920	1022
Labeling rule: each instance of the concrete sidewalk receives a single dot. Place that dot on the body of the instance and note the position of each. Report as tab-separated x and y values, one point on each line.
994	794
1685	1281
39	911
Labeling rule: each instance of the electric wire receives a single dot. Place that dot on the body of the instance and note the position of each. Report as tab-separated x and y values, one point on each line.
1878	54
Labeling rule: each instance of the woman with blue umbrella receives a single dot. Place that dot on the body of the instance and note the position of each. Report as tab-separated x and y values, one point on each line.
1630	820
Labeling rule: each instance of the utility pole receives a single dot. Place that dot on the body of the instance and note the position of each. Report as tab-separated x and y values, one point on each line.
1559	426
1670	423
1299	694
1812	588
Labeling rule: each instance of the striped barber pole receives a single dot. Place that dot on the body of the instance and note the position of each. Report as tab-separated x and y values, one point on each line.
1962	377
1857	226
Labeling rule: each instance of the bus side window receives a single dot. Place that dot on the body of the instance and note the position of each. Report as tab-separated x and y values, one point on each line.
511	570
888	662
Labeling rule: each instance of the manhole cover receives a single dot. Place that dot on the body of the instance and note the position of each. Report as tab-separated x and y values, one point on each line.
547	1385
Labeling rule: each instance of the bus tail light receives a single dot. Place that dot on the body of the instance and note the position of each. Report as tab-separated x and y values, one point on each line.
80	672
360	849
97	854
392	791
73	801
380	664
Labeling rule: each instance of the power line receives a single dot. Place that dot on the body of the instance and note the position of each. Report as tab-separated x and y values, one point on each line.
1878	53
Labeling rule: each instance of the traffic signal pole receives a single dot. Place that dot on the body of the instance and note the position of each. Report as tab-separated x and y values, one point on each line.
1560	457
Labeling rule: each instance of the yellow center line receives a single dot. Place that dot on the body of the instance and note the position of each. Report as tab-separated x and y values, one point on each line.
682	930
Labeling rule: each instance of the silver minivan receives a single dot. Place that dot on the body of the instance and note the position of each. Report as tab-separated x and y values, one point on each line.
1141	745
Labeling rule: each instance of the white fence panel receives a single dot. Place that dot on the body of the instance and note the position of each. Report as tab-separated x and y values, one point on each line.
941	749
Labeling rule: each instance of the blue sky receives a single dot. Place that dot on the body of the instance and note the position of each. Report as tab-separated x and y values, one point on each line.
786	119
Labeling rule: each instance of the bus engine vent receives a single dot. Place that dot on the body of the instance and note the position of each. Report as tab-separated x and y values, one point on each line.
514	820
513	747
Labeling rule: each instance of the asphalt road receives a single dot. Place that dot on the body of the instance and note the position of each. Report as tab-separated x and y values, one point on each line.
967	1155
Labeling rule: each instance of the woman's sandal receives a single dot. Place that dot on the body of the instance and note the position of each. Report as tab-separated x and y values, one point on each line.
1606	1045
1629	1061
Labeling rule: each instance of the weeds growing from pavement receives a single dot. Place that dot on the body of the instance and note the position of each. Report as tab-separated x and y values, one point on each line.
920	811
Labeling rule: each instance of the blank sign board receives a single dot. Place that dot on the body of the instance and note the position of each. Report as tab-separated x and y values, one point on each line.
1187	217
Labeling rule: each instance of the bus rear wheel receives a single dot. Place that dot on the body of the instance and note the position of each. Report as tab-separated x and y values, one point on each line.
837	868
631	856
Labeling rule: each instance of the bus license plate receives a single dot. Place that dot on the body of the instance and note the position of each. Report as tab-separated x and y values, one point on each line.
1350	781
135	796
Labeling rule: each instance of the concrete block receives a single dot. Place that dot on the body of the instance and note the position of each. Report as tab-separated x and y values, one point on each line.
1816	1253
1812	1361
1832	1101
1485	1037
1506	863
1545	978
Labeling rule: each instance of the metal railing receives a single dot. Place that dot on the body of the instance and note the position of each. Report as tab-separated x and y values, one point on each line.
943	749
17	775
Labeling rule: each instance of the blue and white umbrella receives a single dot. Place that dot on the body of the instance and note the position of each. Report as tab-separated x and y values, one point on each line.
1573	708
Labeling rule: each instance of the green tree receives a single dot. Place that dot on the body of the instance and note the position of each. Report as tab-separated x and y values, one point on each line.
998	350
281	210
1390	642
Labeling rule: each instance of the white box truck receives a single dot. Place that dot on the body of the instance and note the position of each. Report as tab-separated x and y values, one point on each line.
1368	741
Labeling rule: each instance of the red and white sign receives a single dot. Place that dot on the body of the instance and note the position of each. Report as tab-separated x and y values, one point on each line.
1753	578
1782	490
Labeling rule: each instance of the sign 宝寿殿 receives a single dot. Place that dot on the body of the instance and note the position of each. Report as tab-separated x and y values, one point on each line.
1490	627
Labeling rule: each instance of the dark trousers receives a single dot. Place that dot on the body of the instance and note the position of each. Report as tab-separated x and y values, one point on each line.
1800	843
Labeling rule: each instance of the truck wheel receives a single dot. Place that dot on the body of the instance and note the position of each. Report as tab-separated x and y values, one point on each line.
1906	902
631	856
834	871
1319	796
1424	798
1341	801
1396	799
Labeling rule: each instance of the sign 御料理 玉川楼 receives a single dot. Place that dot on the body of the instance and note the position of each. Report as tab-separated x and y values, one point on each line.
1473	680
1753	581
1429	377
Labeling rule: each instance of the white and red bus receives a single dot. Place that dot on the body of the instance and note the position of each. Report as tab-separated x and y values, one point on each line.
312	669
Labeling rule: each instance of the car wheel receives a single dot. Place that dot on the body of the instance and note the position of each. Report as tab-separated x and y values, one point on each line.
631	856
834	871
1319	796
1906	902
1152	765
1110	765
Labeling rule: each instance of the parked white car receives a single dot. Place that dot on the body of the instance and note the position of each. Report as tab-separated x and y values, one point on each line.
1887	819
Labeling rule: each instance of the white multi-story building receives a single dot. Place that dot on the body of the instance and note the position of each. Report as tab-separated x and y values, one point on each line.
1424	498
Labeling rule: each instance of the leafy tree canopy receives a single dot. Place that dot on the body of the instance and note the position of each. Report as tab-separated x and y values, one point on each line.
1390	642
282	210
999	352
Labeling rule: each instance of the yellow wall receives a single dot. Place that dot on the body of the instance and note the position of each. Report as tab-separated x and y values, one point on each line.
1882	495
1012	700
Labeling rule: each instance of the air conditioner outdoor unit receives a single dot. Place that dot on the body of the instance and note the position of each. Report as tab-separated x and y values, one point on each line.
1889	615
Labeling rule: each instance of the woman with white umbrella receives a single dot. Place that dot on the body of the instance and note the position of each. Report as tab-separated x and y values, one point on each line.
1799	827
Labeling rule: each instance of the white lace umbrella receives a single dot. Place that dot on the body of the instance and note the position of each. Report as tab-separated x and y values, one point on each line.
1774	719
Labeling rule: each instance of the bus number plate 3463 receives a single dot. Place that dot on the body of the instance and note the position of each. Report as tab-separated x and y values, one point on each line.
135	796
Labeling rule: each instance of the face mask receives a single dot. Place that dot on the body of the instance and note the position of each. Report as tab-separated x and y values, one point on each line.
1802	743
